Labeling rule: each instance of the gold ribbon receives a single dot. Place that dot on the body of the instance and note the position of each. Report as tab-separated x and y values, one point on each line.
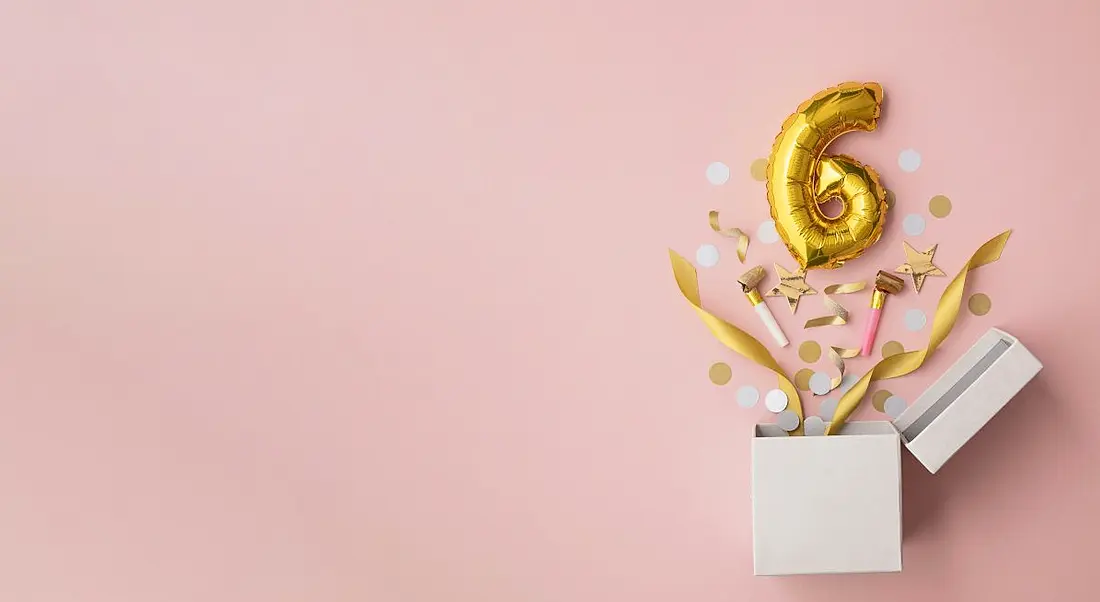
837	355
840	313
742	238
732	336
947	311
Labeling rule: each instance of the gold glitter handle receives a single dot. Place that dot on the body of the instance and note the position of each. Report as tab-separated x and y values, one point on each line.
878	299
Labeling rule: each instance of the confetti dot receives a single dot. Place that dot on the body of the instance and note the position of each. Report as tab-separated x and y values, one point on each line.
913	224
802	379
820	383
939	206
747	396
809	351
915	320
814	426
787	420
891	199
879	398
909	160
707	256
848	382
892	348
827	409
766	233
759	169
894	406
720	373
718	173
979	304
775	401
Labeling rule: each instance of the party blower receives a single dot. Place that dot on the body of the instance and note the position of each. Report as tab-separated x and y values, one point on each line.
885	284
748	282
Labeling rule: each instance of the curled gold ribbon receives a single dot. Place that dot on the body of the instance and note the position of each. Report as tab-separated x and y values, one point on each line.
742	238
840	313
837	355
947	311
732	336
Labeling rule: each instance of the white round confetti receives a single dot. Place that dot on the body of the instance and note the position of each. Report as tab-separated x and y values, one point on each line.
775	401
747	396
718	173
787	420
820	383
913	224
814	426
827	409
848	382
766	233
909	160
915	320
894	406
707	256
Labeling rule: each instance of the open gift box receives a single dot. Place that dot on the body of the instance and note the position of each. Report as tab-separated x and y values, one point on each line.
832	504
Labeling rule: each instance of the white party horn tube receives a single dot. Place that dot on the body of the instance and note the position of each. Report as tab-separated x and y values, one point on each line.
748	282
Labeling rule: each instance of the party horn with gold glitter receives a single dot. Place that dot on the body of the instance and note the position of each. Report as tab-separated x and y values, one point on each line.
748	282
885	284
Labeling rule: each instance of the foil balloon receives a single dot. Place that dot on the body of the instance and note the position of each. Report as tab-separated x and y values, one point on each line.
801	177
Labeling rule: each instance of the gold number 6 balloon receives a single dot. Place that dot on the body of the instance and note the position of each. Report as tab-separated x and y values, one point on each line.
801	177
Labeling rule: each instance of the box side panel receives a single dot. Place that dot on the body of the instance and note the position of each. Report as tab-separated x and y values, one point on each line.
826	504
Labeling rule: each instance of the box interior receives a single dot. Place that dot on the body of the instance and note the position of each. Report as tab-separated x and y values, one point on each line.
940	404
850	428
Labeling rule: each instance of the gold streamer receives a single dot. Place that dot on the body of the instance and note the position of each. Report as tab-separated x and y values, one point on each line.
837	355
742	238
732	336
840	313
947	311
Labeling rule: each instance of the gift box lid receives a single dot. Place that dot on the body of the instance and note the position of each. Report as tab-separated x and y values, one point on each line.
966	397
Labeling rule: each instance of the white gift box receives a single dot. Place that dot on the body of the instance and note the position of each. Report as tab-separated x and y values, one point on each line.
826	504
833	504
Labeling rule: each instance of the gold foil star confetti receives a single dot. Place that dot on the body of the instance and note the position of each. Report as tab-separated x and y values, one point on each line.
791	285
919	265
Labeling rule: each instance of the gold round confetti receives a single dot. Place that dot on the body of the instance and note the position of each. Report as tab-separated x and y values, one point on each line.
939	206
890	199
759	169
720	373
809	351
802	379
892	348
979	304
879	399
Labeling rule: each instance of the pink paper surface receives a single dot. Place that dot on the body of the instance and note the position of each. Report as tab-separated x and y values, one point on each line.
371	300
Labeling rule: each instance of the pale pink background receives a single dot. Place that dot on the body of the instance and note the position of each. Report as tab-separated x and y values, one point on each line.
371	301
